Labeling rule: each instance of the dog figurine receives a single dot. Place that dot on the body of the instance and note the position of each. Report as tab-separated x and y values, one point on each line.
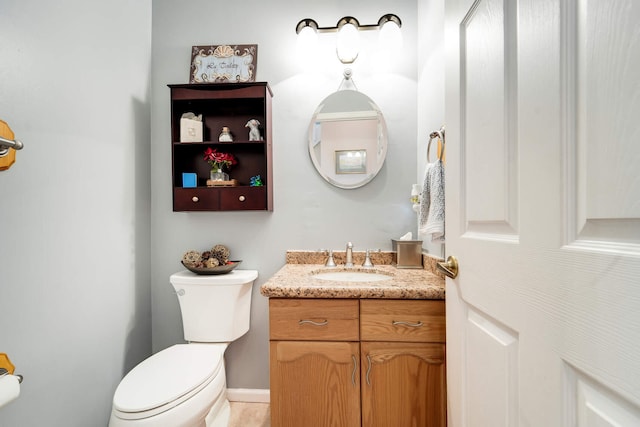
254	132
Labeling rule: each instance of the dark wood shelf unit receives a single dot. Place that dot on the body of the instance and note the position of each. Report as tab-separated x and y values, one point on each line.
230	105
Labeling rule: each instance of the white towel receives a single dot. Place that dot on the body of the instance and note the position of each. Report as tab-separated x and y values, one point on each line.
431	214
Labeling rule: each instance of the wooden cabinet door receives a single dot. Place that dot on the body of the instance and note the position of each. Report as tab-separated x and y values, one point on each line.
315	384
403	384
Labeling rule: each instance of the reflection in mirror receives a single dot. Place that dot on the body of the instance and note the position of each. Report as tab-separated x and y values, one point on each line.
348	139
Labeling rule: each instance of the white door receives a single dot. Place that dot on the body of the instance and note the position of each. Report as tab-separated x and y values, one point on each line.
543	212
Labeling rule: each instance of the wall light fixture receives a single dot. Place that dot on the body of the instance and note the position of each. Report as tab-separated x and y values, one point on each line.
348	41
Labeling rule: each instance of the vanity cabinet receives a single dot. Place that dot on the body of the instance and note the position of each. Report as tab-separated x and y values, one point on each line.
357	363
229	105
403	363
314	362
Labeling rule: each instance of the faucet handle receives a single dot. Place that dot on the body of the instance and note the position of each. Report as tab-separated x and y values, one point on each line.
330	262
367	259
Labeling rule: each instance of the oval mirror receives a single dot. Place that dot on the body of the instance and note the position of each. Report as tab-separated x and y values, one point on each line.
348	139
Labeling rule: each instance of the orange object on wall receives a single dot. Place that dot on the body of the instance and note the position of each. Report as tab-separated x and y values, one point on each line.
441	152
8	159
5	363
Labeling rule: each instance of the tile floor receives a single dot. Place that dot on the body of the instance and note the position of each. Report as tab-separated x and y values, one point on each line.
249	414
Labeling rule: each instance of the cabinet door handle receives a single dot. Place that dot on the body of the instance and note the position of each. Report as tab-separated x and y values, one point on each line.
311	322
355	369
195	199
368	369
401	322
242	198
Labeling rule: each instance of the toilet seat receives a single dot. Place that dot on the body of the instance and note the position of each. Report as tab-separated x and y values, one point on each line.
168	378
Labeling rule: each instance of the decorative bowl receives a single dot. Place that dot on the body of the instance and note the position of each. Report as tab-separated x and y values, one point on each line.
221	269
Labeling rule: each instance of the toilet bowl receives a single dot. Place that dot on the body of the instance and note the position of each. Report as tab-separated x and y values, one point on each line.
175	387
185	385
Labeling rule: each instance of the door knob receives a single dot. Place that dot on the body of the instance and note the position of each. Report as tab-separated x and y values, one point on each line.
449	268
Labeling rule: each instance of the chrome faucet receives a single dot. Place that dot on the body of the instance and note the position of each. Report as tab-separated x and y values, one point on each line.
349	255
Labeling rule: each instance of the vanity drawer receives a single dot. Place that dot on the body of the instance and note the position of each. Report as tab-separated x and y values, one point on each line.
313	319
402	320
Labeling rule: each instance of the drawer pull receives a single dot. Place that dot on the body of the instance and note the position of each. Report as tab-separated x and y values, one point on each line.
368	369
413	325
195	199
242	198
311	322
355	369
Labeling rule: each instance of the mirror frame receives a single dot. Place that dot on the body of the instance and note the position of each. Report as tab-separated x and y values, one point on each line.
352	168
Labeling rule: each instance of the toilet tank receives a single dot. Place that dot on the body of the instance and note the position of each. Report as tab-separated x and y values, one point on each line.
215	308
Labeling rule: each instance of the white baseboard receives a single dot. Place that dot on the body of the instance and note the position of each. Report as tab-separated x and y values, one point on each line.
254	395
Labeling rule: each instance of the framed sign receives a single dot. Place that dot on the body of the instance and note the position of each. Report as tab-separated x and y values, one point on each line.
223	64
351	161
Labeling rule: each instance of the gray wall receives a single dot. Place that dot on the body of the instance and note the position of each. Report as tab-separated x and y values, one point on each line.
88	236
431	89
309	213
74	208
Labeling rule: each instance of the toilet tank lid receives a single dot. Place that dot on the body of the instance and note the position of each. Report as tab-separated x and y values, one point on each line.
235	277
168	375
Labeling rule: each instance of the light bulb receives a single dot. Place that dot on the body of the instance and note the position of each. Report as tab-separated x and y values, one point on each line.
307	45
390	37
348	43
307	38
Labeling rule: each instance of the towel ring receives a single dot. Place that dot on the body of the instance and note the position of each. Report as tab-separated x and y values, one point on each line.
436	134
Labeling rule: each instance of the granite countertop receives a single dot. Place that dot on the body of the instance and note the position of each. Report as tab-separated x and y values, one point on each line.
296	281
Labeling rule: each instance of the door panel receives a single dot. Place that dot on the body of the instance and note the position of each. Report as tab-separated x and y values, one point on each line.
315	384
488	119
492	366
596	406
416	402
603	60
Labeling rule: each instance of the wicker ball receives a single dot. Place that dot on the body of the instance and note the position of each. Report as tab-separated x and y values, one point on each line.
191	257
221	253
211	262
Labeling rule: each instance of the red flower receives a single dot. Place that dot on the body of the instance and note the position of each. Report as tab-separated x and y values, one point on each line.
219	160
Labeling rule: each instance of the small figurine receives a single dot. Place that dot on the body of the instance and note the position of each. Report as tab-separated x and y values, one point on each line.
256	181
225	136
254	132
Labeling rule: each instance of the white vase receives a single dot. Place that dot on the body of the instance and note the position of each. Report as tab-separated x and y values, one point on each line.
218	175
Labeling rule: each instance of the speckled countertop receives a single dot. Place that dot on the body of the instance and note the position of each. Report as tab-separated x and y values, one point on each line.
295	280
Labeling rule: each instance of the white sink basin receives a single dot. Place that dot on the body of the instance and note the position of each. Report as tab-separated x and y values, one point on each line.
351	276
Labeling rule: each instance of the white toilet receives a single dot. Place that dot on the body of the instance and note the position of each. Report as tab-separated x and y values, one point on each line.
185	385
